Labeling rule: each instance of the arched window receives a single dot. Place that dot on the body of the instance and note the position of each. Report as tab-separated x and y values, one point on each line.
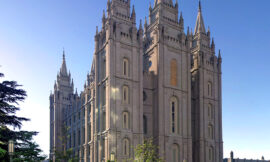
104	127
125	120
126	147
144	124
173	72
210	132
125	95
209	88
174	115
175	153
210	111
211	154
125	67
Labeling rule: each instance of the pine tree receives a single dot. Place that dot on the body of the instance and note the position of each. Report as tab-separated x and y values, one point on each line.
25	148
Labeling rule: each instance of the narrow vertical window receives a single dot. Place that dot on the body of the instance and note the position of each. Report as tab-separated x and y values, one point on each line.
125	120
125	95
83	135
104	95
209	89
79	137
126	147
144	124
174	72
211	154
210	111
74	139
210	131
104	66
175	153
104	121
89	132
70	144
174	115
125	67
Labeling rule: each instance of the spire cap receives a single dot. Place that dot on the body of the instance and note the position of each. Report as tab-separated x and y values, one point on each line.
63	69
199	28
140	28
219	54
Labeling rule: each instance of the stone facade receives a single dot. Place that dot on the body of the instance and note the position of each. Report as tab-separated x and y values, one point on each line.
152	81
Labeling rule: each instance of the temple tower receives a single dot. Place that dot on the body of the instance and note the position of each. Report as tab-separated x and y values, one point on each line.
167	64
206	96
118	84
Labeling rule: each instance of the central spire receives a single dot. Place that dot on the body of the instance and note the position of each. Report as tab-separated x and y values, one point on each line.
63	69
200	28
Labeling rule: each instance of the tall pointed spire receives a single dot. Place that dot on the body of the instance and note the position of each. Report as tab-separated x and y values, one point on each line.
63	69
140	27
219	54
199	28
213	44
108	7
145	24
133	14
181	20
103	19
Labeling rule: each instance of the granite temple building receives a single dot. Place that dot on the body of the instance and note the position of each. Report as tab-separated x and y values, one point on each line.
151	80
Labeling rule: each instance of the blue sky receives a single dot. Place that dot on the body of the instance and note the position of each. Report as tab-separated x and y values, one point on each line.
33	34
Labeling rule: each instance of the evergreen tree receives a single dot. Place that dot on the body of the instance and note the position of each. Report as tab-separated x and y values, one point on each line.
25	148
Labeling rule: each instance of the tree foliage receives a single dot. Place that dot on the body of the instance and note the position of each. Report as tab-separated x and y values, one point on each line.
10	95
25	148
147	152
66	154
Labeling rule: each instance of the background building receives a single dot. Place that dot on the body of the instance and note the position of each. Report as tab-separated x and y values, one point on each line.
151	81
232	159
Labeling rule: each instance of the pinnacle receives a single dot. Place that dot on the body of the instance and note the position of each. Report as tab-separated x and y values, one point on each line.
200	6
63	69
199	28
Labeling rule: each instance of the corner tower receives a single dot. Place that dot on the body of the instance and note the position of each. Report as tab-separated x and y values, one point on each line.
60	102
118	84
167	63
206	96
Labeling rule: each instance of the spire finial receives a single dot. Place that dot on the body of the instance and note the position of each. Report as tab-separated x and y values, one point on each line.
213	44
200	6
63	69
133	14
64	53
219	56
200	28
140	28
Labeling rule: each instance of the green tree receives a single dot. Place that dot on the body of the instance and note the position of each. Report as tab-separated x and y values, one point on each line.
147	152
25	148
66	154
